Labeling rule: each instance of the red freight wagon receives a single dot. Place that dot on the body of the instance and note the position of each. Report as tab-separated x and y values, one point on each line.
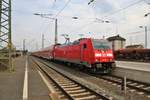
133	54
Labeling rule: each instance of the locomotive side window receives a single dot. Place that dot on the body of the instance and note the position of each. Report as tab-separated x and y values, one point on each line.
84	46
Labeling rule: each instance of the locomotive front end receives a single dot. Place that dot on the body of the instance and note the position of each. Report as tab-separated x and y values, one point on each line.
103	56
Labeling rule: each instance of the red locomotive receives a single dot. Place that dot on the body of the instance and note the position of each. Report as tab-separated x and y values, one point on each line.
94	54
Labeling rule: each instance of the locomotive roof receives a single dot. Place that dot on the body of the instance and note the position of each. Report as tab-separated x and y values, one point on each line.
78	41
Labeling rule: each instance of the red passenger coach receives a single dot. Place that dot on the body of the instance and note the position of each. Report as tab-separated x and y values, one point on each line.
45	53
94	54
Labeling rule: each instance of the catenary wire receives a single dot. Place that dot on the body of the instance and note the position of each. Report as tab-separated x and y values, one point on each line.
63	8
110	14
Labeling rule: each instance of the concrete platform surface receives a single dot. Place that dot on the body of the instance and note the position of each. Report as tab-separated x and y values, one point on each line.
134	65
12	83
37	89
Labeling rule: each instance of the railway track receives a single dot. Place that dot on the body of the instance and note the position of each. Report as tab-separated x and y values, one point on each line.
67	88
132	85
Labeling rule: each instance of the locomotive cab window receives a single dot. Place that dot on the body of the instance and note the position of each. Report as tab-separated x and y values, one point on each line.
101	44
84	46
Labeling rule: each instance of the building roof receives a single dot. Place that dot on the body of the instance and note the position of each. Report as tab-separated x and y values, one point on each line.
117	37
135	46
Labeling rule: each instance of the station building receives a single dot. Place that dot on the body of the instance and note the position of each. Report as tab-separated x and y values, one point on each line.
117	42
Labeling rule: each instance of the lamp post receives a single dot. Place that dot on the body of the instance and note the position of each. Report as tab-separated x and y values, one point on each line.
145	28
24	46
56	23
56	30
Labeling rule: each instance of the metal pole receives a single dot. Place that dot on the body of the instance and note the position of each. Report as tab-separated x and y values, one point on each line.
5	32
0	21
24	46
42	41
56	39
37	47
145	37
0	16
9	37
125	84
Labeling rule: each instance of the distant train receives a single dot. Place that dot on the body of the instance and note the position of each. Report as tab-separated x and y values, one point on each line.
133	54
94	54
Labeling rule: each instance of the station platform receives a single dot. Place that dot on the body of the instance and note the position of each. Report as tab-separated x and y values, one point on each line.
12	84
138	71
141	66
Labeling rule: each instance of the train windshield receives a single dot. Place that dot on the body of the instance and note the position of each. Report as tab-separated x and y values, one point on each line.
101	44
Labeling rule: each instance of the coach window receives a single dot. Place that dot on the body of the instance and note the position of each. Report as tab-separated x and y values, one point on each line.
84	46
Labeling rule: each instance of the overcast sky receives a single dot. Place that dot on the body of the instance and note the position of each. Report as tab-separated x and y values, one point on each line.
125	17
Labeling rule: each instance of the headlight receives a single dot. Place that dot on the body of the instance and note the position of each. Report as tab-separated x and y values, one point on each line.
109	54
98	55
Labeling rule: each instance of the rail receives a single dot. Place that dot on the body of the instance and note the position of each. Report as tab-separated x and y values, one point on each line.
67	87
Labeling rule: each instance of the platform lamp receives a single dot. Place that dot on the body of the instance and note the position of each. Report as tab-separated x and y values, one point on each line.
52	18
48	17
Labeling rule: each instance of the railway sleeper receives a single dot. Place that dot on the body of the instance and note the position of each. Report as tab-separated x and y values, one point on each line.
60	79
60	94
68	83
76	91
133	84
74	88
146	88
91	97
70	86
84	94
140	86
128	82
63	81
